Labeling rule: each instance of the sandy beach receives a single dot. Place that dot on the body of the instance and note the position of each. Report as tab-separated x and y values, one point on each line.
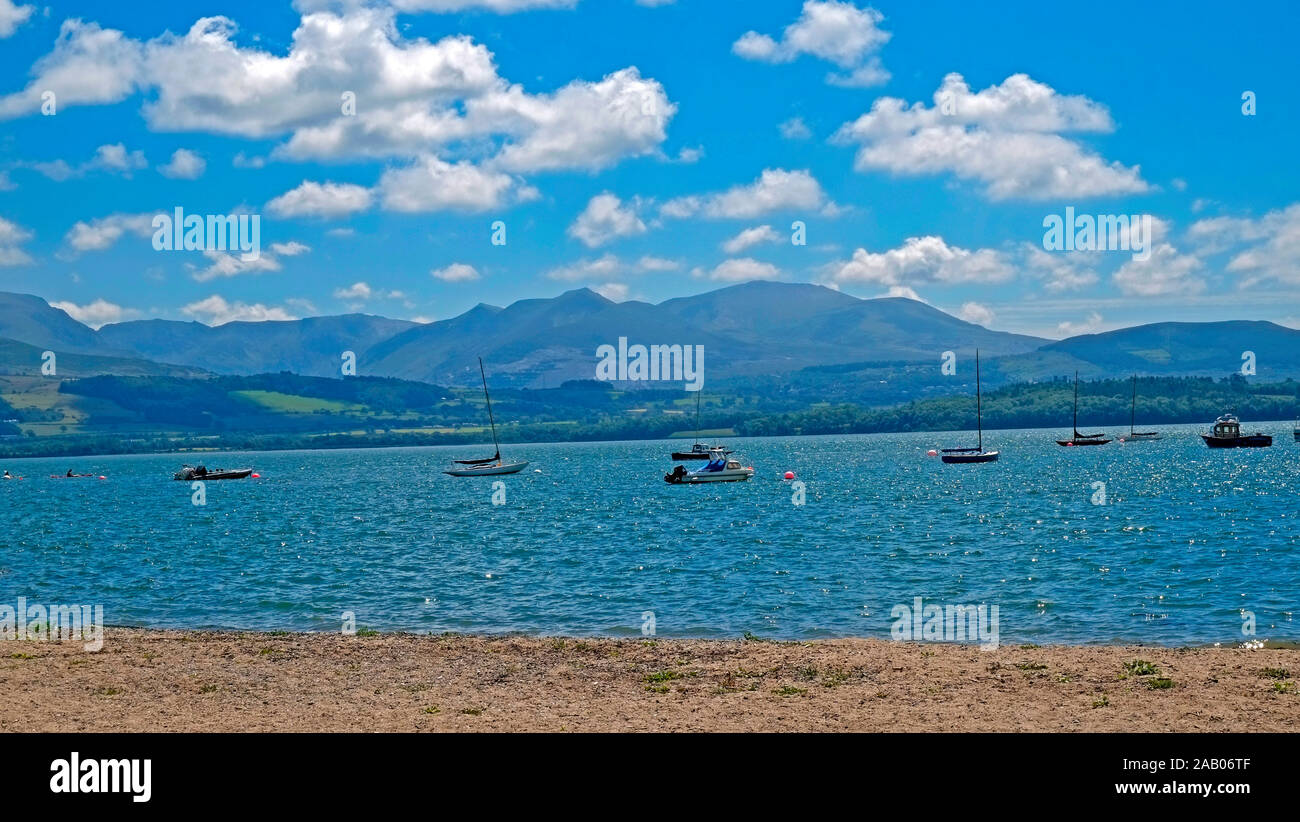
145	680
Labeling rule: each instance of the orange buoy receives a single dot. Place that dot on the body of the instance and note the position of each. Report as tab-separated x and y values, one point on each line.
789	475
932	453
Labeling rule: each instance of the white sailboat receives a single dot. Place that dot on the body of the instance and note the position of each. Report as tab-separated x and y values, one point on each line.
493	465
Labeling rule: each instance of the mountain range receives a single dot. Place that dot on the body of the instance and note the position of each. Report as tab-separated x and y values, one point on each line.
749	331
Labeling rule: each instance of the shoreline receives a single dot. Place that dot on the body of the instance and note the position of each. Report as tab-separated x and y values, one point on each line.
328	445
188	681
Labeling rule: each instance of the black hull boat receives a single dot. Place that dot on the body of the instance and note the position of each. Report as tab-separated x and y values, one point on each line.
1137	436
1227	434
1081	439
189	473
699	451
963	456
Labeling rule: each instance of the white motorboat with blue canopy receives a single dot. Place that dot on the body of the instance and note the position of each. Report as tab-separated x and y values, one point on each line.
720	468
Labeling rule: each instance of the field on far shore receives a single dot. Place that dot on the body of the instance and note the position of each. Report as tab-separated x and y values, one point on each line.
147	680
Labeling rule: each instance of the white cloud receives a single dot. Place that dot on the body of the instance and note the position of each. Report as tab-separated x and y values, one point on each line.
609	266
1091	325
498	6
12	236
234	265
612	291
215	310
12	16
795	129
431	184
456	273
104	232
923	261
605	219
742	269
751	237
1060	271
5	183
775	190
290	249
98	313
115	159
88	66
184	165
311	199
1007	137
1264	248
839	32
1166	272
977	313
356	291
413	98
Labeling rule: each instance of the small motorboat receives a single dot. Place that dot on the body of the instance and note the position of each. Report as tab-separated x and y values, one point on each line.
1227	434
720	468
199	472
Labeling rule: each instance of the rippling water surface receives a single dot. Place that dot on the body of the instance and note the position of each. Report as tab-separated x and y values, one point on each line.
1189	539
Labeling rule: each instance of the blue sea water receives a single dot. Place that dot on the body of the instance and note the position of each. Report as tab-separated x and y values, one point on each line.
589	538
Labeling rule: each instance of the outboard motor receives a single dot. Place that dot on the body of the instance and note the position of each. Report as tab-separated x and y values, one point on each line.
676	475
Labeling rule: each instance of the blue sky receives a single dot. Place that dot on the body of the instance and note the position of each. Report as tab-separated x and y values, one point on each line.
651	149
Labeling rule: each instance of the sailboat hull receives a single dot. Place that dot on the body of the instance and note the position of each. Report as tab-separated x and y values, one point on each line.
493	470
959	459
1082	442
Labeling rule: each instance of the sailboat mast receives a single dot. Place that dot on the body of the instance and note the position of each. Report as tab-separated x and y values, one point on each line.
979	411
488	398
1076	403
1132	414
697	417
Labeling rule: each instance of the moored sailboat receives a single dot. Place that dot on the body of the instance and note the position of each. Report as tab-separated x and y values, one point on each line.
1137	436
976	454
699	451
1081	439
493	465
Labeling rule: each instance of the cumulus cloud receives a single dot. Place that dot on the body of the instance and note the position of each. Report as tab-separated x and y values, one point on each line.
312	199
290	249
612	291
455	273
605	219
742	269
440	106
498	6
1060	271
216	310
751	237
977	313
115	159
356	291
1165	273
1091	325
610	266
838	32
1007	137
97	313
12	16
922	261
223	265
795	129
775	190
1263	248
12	236
104	232
184	165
